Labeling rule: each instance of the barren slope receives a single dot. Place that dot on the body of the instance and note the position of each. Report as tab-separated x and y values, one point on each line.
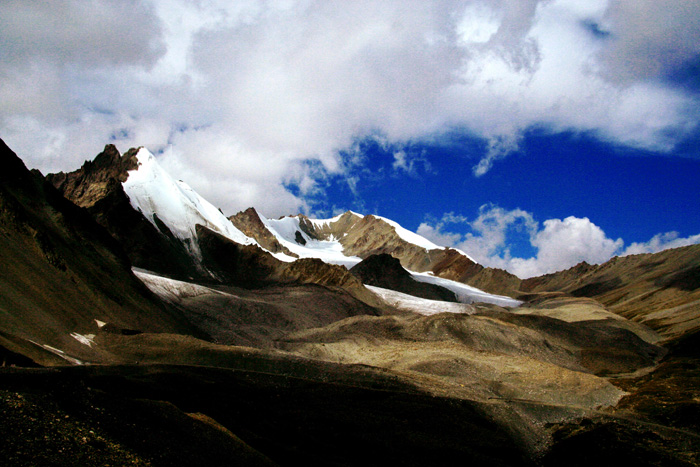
661	290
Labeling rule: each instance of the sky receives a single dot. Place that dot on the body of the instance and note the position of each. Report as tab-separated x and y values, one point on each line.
532	134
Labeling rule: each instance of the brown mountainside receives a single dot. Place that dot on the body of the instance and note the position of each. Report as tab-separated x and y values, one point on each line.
661	290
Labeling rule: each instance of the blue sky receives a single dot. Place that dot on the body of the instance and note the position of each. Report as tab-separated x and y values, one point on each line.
532	134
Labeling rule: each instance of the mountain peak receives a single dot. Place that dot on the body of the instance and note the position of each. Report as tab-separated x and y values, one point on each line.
153	192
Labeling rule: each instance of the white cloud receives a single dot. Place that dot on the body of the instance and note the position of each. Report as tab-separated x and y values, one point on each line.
558	244
94	32
565	243
254	94
660	242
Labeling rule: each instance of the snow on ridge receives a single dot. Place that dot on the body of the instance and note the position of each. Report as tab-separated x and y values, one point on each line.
322	222
419	305
411	237
153	191
466	293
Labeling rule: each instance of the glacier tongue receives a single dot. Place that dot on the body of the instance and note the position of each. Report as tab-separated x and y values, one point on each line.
152	191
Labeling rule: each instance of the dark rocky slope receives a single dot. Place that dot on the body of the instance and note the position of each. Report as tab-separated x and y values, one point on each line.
178	415
383	270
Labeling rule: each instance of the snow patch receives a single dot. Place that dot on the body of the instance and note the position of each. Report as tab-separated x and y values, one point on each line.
466	293
324	222
170	289
59	353
87	339
423	306
330	251
100	324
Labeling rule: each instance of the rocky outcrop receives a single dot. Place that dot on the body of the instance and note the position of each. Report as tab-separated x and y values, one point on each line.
96	179
249	223
385	271
232	263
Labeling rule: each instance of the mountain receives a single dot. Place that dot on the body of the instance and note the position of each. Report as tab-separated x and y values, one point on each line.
350	237
63	276
661	290
165	227
296	341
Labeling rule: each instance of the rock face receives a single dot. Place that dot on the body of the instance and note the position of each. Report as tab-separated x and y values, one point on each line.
61	271
97	186
249	223
250	266
96	179
383	270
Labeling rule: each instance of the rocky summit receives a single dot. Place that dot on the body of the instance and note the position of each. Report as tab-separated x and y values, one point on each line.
141	326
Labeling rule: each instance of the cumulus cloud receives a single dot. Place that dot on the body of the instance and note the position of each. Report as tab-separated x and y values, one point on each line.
563	243
558	244
229	88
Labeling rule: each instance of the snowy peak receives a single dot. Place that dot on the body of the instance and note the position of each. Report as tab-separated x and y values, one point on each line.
160	198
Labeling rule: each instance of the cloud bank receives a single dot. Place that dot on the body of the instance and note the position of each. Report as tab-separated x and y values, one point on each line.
558	244
245	99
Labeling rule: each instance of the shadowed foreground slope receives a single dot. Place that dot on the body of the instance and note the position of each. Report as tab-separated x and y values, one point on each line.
164	416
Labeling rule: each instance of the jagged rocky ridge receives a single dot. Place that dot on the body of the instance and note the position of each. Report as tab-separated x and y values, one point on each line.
271	368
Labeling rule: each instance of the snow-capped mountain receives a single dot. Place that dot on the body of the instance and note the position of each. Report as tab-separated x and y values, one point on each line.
69	295
350	237
333	241
153	192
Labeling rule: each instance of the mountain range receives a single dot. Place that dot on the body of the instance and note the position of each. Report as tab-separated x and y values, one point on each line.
141	326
